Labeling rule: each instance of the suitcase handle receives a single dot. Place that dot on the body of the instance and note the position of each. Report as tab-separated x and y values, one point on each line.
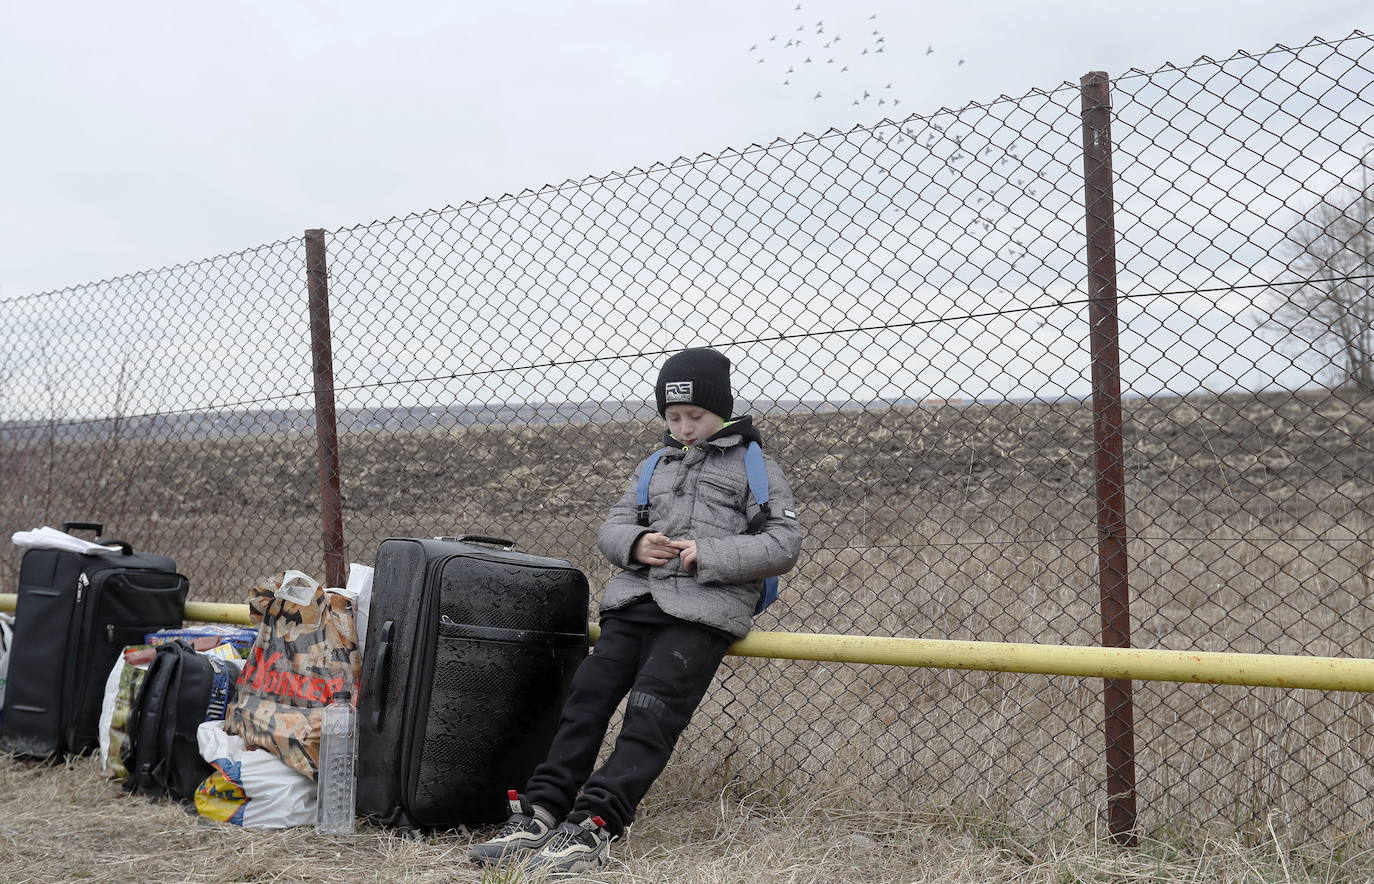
484	539
83	526
125	548
377	688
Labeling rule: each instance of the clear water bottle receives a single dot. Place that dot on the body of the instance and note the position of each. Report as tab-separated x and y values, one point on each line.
336	783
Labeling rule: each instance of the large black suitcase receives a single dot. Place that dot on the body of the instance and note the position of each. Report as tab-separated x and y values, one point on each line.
470	651
74	614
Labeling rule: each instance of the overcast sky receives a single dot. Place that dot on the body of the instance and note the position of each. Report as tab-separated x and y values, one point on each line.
140	134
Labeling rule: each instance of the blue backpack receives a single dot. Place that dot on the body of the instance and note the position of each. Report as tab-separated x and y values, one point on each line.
755	471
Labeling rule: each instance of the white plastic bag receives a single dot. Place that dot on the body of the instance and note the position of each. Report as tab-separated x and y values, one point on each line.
250	787
51	538
360	583
121	687
6	638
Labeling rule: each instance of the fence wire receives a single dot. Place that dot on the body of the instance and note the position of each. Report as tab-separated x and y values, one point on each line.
905	304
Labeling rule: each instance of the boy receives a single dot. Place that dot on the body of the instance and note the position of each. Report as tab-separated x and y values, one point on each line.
693	570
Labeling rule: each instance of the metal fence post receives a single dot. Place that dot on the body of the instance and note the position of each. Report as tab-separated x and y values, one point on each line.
1109	463
326	430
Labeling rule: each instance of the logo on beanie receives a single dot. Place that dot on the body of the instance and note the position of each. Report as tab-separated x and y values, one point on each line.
677	391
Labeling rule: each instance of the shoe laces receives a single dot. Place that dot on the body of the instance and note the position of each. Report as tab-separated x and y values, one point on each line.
563	839
516	823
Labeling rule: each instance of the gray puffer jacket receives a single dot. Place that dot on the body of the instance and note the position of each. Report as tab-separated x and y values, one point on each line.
702	493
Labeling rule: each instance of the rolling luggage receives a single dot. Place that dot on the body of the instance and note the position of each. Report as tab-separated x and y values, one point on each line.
469	655
75	613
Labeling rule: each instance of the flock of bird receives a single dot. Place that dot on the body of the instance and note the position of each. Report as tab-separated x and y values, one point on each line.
810	56
812	45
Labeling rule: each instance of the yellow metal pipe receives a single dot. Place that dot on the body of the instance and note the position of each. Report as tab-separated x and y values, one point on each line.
1202	667
200	612
218	612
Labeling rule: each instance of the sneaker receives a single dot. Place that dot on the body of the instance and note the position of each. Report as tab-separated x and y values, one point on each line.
528	829
575	847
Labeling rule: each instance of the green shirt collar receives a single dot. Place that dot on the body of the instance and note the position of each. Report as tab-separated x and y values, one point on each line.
722	429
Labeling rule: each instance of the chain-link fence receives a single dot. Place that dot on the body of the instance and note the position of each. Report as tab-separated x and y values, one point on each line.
907	308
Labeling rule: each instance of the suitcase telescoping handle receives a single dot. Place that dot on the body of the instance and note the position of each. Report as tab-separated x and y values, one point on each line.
95	527
483	539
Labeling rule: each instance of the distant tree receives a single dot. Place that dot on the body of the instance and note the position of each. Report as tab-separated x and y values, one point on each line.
1327	299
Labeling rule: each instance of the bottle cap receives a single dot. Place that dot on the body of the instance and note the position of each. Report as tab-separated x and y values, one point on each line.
342	695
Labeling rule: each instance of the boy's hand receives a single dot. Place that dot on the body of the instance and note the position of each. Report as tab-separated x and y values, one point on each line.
688	550
653	549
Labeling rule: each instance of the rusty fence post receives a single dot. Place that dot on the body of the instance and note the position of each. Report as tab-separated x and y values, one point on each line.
1109	459
326	429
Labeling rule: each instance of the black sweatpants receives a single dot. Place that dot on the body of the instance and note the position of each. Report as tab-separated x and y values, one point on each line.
665	669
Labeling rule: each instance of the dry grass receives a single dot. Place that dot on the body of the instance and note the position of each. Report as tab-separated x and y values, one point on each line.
1252	525
61	823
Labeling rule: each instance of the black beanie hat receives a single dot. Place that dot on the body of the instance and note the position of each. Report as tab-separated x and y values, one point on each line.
699	376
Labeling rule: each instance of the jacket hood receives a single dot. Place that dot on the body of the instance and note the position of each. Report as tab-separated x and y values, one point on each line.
736	426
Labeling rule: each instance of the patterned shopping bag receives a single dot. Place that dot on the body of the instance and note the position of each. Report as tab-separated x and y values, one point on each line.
306	649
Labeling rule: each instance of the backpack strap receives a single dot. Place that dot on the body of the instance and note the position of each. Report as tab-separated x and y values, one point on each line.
756	471
143	751
769	594
646	474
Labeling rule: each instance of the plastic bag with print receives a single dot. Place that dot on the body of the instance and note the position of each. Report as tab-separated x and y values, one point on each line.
306	649
249	787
